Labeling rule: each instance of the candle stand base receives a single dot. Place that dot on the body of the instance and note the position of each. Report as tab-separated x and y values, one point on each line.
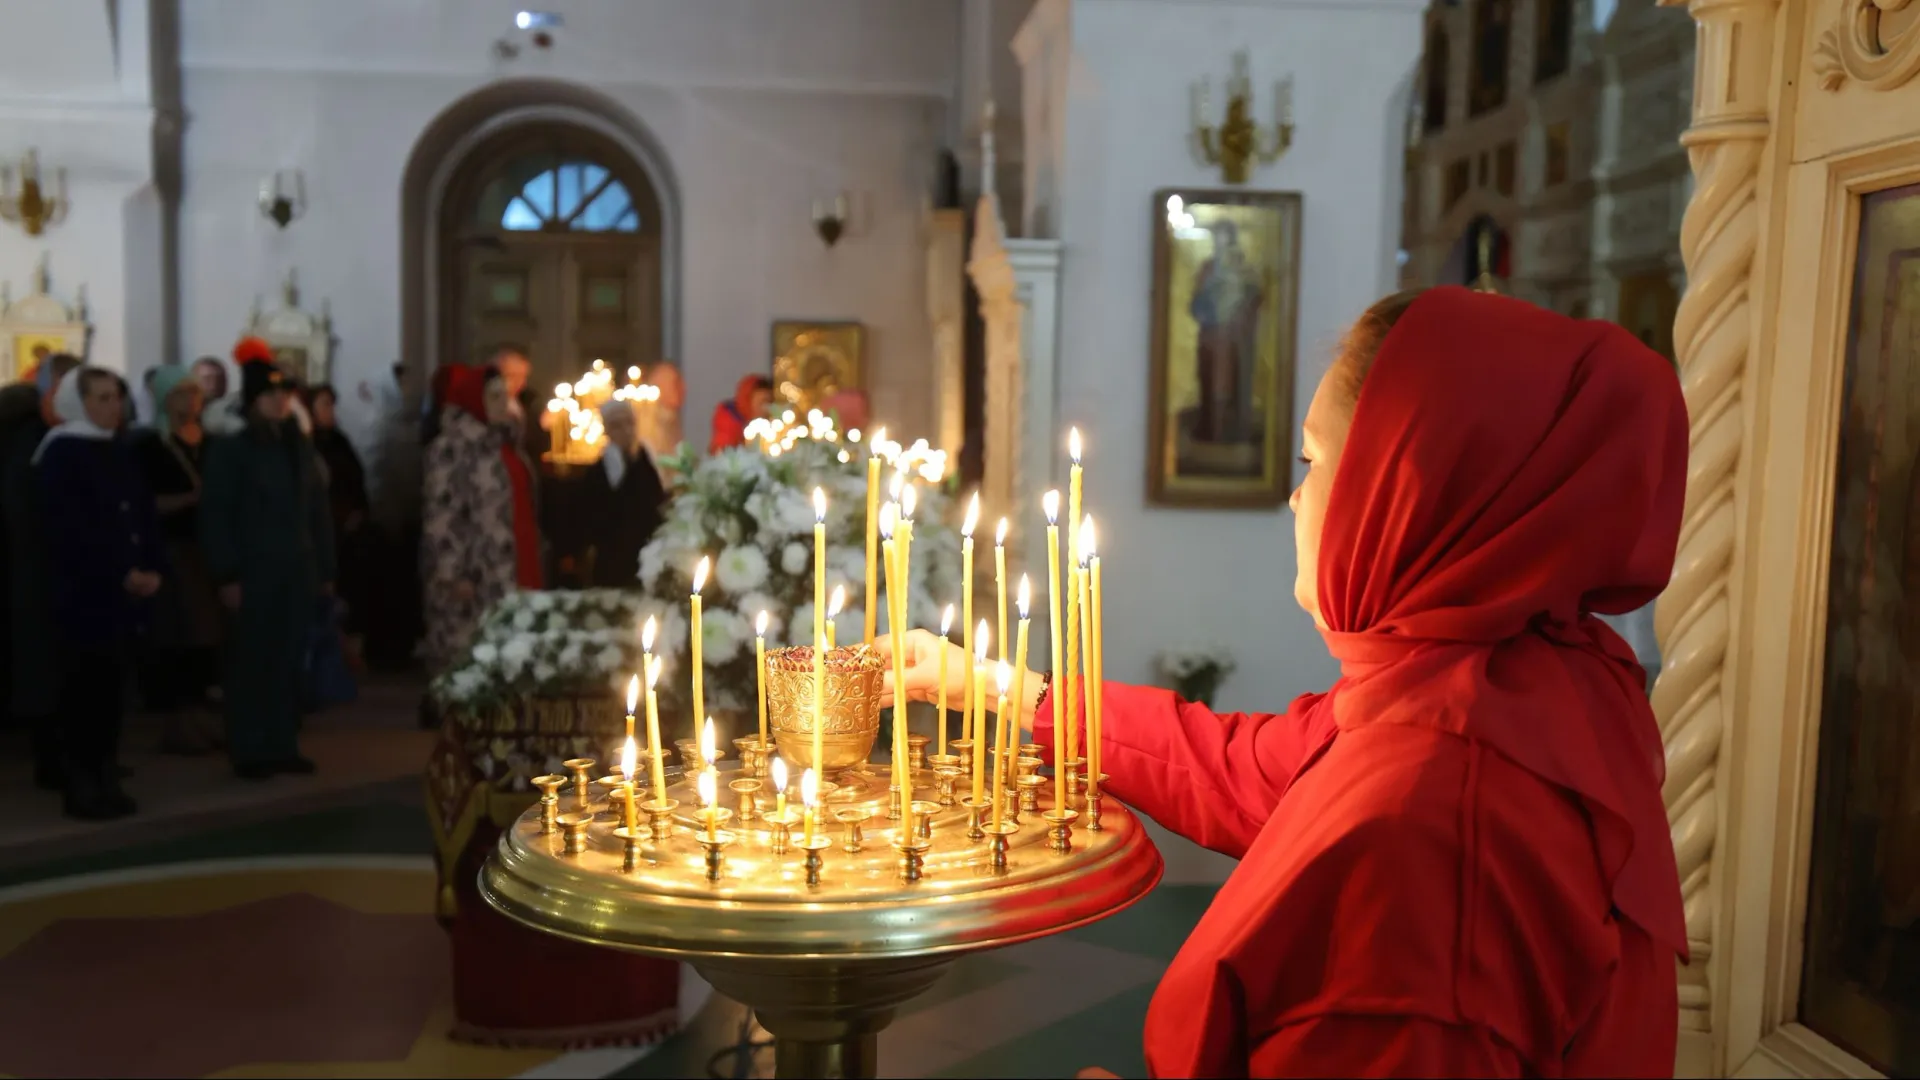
1030	786
1094	799
1076	779
825	944
582	769
923	815
946	770
549	800
748	791
917	751
852	820
977	812
1060	830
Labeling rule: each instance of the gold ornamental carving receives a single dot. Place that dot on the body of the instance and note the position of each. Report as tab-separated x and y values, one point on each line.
1862	46
854	679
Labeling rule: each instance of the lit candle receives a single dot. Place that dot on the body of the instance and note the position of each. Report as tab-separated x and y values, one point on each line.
890	556
647	633
760	671
834	603
1000	584
979	683
779	788
694	640
633	703
709	796
628	754
1073	594
658	769
873	521
966	608
819	623
1000	773
1050	504
809	794
1012	719
1090	583
946	629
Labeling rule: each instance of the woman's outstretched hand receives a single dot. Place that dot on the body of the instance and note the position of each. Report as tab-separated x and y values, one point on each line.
922	651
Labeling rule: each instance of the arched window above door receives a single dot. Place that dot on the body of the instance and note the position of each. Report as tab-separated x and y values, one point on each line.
547	192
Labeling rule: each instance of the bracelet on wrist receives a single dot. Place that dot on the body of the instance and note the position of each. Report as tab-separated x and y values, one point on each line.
1046	686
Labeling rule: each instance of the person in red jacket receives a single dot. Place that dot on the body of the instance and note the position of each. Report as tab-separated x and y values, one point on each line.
730	418
1456	861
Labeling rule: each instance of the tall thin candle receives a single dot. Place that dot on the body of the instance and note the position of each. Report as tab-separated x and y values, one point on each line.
834	603
779	787
946	631
760	671
1050	503
978	680
1000	584
1012	718
819	625
809	794
656	758
873	522
966	609
627	757
1097	677
647	633
1072	717
1004	676
633	703
694	642
709	797
890	559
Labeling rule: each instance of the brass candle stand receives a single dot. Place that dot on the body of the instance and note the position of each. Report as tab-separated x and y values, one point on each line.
824	939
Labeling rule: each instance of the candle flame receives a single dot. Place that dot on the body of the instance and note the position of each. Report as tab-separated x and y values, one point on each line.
760	625
946	621
627	755
707	792
1086	538
1000	533
820	504
836	601
1025	598
879	439
980	643
1004	673
1073	444
633	694
700	573
779	774
973	516
709	746
908	497
1050	505
889	512
653	672
809	787
646	634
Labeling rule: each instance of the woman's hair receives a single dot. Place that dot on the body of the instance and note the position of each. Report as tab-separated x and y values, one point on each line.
91	377
323	390
1361	344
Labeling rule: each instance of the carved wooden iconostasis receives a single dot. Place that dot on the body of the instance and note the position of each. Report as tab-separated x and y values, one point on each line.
39	324
302	341
1790	693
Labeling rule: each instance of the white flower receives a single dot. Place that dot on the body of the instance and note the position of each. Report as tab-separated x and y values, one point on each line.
741	568
571	654
544	672
721	634
751	605
795	558
518	650
485	653
540	601
801	628
523	620
652	560
793	511
594	621
610	659
466	683
848	564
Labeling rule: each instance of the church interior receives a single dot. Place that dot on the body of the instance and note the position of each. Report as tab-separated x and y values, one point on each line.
984	225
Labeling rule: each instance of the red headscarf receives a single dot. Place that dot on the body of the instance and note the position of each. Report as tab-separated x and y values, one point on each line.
465	389
252	350
730	418
1509	472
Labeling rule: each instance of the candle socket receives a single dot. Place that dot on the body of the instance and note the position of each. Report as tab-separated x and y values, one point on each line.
913	855
893	802
1032	750
1012	810
1076	778
749	792
753	756
629	848
780	830
997	846
716	846
549	786
962	749
1030	793
819	844
917	751
573	825
1059	830
608	795
852	820
977	814
688	751
660	817
1093	807
923	818
582	769
945	776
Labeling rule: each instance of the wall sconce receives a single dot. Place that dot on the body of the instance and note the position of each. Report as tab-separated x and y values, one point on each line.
830	219
29	206
281	202
1239	141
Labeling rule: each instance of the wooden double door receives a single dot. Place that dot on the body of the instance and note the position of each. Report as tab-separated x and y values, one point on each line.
564	299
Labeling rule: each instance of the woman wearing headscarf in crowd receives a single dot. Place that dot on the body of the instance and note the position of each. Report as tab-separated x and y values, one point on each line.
432	409
105	561
33	683
347	496
480	534
1456	861
730	418
619	504
268	537
181	663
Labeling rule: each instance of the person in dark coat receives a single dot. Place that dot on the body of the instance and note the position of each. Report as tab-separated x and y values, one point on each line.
32	687
619	504
266	531
353	532
105	558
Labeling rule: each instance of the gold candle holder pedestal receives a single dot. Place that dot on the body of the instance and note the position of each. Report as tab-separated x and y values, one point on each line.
962	749
1012	811
1076	778
748	791
813	848
998	844
753	756
606	794
715	845
1059	830
851	820
913	855
1095	795
917	751
573	826
660	817
1030	793
946	773
893	802
855	675
1032	750
688	751
581	768
780	830
549	786
923	815
629	848
977	815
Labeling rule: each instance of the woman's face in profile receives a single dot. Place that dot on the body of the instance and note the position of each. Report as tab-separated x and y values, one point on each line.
1322	438
496	401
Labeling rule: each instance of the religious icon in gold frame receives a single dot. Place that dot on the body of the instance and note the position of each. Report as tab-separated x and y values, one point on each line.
813	360
1225	293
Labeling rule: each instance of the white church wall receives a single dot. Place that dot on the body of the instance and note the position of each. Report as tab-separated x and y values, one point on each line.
1182	577
760	109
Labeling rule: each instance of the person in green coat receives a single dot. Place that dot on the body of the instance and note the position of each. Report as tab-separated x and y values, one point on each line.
268	540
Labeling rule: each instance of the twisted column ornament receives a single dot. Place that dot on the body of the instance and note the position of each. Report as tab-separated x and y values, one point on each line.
1713	336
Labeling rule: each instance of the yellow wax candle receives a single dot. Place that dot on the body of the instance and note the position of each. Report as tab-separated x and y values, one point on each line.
633	703
1000	585
647	633
657	759
809	794
1050	503
694	642
978	680
709	795
628	754
873	522
889	555
779	788
946	630
1073	594
1073	494
1000	774
966	608
899	618
1012	719
834	603
819	623
760	670
1096	706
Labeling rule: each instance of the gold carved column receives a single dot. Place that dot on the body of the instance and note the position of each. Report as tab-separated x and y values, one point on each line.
1714	333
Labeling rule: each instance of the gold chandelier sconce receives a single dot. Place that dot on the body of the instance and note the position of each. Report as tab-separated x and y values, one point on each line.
1239	141
24	202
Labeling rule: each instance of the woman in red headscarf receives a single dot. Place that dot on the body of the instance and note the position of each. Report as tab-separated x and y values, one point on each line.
1455	862
480	533
730	418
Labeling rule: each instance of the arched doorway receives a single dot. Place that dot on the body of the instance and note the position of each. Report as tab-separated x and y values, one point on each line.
549	241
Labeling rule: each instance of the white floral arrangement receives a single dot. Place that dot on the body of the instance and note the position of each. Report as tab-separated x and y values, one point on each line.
753	514
1196	673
